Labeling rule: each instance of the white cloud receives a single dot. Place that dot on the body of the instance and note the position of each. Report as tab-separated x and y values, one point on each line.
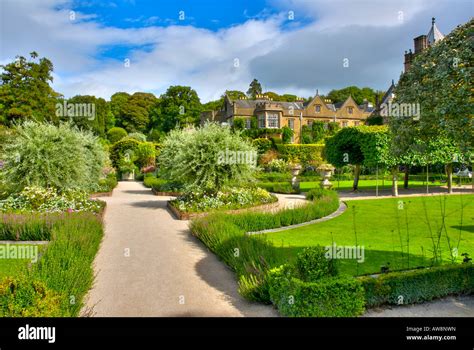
297	61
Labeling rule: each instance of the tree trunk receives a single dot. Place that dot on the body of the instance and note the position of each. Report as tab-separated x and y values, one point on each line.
407	173
449	173
355	186
394	181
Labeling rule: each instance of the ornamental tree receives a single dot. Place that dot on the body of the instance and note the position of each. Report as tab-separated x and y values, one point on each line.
208	157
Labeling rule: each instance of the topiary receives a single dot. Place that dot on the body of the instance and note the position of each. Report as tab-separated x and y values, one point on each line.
118	150
116	134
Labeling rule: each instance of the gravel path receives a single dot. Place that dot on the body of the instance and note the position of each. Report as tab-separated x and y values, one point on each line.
150	265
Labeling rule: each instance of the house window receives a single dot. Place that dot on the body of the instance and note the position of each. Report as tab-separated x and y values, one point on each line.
344	124
309	123
317	108
248	123
273	121
291	124
261	121
356	123
350	110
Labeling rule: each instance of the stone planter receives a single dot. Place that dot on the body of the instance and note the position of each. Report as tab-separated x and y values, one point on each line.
295	182
326	174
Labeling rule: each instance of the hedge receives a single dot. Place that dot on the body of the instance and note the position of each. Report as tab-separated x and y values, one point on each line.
328	297
310	154
21	297
117	151
252	256
417	286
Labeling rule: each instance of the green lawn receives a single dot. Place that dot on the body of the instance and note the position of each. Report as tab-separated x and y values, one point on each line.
11	267
402	237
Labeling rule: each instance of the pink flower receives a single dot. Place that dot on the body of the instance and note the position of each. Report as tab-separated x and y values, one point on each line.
69	210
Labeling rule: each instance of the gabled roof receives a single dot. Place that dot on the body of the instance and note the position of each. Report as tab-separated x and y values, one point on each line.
388	94
434	35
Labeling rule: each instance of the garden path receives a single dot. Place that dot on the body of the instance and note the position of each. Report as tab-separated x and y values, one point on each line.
149	264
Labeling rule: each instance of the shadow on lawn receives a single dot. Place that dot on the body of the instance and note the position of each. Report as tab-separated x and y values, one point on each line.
373	260
467	228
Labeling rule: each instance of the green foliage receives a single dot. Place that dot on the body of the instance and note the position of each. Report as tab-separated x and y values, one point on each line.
358	94
228	198
26	226
223	234
98	123
66	266
197	158
108	183
48	200
440	80
137	136
418	286
25	93
116	134
145	154
255	89
262	145
344	148
303	154
162	185
312	264
45	155
135	113
178	107
239	124
328	297
21	297
120	148
286	134
63	273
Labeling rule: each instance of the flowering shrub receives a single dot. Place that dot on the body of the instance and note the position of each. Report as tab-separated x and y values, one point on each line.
278	165
227	198
49	200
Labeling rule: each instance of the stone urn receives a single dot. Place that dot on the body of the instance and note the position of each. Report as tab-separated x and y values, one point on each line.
326	173
295	182
128	176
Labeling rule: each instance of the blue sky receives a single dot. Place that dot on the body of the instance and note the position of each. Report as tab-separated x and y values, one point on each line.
102	47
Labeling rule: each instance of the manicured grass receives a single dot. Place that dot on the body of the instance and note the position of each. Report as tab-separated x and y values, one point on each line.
12	267
390	234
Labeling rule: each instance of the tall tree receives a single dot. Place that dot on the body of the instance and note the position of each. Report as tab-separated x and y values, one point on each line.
98	123
178	107
358	94
440	81
255	89
25	92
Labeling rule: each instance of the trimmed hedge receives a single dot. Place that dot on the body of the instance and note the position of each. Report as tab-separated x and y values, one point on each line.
117	151
21	297
310	154
417	286
262	145
328	297
251	257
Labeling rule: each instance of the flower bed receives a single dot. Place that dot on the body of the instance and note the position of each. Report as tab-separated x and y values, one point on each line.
229	198
49	200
